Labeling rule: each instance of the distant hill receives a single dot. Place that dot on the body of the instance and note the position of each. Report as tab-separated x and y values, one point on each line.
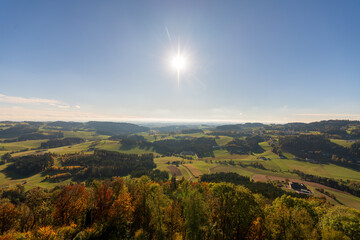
17	130
321	126
174	128
238	127
65	125
113	128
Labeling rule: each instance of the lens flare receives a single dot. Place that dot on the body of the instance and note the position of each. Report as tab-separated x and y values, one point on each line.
178	62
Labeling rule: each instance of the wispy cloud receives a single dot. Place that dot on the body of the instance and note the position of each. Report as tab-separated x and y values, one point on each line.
35	101
64	106
326	115
22	100
48	114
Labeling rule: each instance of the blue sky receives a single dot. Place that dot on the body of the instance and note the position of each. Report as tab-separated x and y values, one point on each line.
263	61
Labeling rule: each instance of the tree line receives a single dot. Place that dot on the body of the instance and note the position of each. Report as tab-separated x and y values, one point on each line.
247	146
106	164
54	143
139	208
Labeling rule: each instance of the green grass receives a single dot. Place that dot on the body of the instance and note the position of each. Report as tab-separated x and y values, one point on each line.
229	168
89	135
223	140
32	181
275	166
193	135
148	137
184	172
110	145
221	153
341	142
346	199
319	194
202	166
18	146
71	149
324	170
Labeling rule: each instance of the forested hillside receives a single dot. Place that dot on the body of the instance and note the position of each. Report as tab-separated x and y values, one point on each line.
142	209
227	182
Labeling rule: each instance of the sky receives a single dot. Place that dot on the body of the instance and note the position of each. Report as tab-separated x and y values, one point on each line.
245	61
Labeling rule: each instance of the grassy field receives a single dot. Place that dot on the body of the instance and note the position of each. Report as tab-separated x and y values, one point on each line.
89	135
161	163
227	168
194	171
71	149
31	182
185	172
347	199
223	140
341	142
18	146
274	165
221	153
148	137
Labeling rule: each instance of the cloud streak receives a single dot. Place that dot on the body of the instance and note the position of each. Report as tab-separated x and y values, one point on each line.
21	100
35	101
326	115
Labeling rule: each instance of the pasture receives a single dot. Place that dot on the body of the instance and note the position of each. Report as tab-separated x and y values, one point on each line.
341	142
194	171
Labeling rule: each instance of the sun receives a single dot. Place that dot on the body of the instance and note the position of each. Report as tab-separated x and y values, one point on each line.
178	62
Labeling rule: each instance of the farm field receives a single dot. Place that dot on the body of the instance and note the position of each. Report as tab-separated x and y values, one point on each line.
341	142
89	135
347	199
194	171
175	171
22	145
31	182
263	162
223	140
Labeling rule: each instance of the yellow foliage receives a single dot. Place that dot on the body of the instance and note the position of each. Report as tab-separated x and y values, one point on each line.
45	233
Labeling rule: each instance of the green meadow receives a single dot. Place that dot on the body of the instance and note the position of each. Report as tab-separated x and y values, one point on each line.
222	161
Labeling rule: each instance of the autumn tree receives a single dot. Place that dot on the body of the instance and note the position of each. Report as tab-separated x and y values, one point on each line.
173	220
157	203
234	210
71	204
102	200
8	215
291	218
196	212
41	208
121	214
341	220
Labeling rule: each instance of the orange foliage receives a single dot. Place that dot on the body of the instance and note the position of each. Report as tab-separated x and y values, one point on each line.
173	220
102	202
257	230
122	210
45	233
71	204
8	215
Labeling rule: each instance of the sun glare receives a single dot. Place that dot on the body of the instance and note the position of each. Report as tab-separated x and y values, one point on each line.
178	62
